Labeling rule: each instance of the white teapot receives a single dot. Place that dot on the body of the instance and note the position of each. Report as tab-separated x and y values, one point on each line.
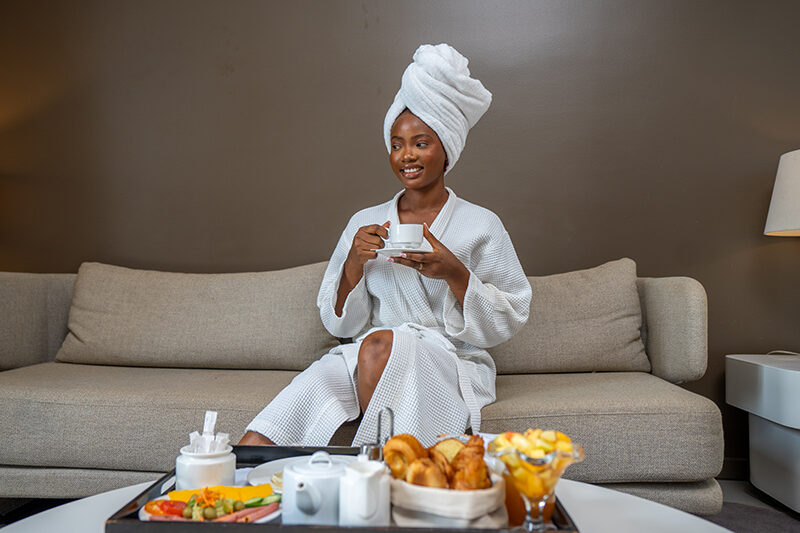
364	494
311	490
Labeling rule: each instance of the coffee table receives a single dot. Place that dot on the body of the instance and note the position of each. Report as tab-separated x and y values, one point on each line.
594	510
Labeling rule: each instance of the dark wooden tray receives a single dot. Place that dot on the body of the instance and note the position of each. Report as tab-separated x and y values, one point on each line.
126	520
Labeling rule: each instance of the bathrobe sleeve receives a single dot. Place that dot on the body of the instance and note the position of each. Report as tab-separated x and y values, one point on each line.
358	305
498	298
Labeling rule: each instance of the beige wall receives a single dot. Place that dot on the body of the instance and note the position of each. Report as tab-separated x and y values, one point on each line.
224	136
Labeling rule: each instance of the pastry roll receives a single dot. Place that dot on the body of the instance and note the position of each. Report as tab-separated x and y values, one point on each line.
400	451
449	447
440	460
470	470
425	472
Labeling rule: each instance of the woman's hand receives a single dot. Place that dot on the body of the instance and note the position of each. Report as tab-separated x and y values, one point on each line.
366	239
441	263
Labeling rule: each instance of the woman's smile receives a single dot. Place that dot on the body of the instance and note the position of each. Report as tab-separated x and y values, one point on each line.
411	171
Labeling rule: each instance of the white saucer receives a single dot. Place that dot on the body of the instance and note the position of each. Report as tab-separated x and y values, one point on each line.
263	473
391	250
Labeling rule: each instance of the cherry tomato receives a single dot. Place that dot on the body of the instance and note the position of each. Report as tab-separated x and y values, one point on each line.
165	507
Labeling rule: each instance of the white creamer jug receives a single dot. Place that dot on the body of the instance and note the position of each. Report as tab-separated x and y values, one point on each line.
364	494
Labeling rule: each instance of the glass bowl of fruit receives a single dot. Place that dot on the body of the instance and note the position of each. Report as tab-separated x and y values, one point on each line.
535	461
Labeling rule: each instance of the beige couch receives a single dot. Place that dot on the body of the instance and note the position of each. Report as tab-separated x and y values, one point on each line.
105	374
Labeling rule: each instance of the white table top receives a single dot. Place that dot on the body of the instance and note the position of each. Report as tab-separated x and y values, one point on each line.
594	510
787	362
600	510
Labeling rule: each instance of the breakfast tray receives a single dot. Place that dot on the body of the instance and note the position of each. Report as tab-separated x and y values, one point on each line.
126	519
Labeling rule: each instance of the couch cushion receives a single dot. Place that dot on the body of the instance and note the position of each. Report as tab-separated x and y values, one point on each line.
260	320
702	498
122	418
582	321
634	427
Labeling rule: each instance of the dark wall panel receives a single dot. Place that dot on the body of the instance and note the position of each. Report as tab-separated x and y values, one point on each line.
227	136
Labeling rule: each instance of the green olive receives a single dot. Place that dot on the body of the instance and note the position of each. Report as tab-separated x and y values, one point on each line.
209	513
187	512
238	505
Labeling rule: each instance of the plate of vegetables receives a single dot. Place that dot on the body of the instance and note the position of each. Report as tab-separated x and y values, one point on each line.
215	504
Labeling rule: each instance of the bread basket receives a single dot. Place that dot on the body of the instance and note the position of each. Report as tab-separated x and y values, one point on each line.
417	506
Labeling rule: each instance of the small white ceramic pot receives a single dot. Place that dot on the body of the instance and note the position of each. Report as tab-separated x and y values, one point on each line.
195	470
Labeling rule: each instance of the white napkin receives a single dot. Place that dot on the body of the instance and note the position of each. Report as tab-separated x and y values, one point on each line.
207	442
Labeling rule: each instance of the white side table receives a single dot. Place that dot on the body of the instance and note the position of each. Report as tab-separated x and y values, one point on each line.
594	510
768	388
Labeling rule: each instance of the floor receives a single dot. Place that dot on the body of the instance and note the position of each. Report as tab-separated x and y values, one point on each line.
13	509
746	509
734	491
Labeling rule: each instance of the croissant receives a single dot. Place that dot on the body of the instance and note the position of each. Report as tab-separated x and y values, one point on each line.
469	468
476	440
440	460
400	451
425	472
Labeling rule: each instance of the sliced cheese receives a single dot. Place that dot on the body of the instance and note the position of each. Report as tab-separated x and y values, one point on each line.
234	493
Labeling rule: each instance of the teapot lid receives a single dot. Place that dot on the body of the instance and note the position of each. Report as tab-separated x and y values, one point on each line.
320	465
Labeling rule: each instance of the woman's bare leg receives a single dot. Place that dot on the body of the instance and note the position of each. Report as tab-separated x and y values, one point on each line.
372	358
251	438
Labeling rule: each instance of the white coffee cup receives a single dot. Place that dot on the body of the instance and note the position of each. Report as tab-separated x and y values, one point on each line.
405	235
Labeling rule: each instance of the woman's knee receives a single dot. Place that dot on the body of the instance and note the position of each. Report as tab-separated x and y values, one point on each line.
375	349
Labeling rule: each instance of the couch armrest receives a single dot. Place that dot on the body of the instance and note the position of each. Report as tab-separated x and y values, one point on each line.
675	327
34	309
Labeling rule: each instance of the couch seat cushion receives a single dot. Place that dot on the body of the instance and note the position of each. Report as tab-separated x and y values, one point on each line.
264	320
582	321
126	418
634	427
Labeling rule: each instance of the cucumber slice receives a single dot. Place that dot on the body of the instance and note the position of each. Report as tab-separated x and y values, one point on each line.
271	499
254	502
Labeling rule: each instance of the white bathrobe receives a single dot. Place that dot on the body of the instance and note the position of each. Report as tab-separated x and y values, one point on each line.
439	374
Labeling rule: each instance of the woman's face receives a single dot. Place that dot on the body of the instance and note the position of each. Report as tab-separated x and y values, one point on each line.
417	156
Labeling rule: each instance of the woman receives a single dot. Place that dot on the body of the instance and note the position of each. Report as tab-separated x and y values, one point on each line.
421	321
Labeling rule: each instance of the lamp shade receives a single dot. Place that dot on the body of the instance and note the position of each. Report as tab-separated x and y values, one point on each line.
783	219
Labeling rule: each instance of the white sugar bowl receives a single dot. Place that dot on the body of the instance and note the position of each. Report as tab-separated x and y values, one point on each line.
311	490
195	470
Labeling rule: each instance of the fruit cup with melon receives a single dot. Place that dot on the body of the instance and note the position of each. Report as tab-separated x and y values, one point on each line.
535	460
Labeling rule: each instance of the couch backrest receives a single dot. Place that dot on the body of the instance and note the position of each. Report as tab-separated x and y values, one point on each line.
582	321
33	316
254	320
34	312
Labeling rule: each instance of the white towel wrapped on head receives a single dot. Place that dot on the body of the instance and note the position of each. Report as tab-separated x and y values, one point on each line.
438	89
